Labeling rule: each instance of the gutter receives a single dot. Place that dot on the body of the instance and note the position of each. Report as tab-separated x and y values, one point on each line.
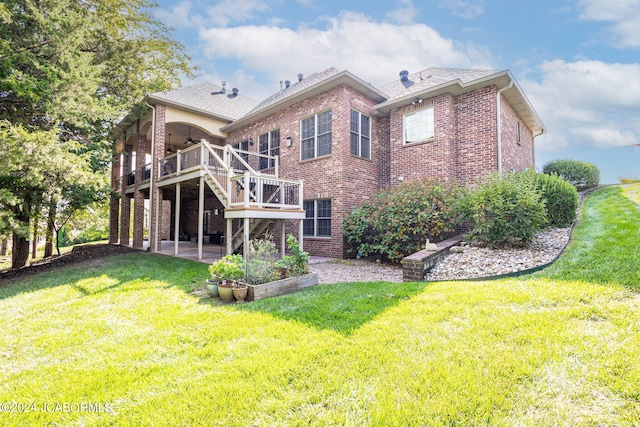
499	124
151	179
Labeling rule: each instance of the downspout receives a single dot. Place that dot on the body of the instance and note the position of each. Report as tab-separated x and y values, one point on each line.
499	125
153	168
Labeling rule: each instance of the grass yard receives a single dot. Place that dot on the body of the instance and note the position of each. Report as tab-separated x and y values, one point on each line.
558	348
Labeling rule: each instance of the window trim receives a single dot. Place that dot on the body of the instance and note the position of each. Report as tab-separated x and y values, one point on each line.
316	135
359	134
430	135
317	218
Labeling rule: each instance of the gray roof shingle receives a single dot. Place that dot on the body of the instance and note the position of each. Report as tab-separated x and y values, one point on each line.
296	87
432	77
199	97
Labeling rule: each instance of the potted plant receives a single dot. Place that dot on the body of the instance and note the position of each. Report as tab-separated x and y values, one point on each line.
228	271
211	286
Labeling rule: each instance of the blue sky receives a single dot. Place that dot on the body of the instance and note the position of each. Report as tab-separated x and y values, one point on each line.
578	61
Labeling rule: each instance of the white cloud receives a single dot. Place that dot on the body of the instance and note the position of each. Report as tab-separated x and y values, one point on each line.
180	16
406	13
463	8
624	16
586	103
226	11
374	51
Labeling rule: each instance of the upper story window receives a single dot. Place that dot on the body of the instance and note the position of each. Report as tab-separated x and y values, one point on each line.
418	125
243	147
360	134
316	136
269	145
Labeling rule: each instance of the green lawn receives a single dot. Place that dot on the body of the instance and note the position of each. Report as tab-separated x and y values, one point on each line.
558	348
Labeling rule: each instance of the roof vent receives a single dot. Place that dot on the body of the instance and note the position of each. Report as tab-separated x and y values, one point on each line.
234	92
287	83
300	77
404	75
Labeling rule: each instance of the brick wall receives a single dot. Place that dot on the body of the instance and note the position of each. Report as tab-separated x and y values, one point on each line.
345	179
476	136
516	155
434	158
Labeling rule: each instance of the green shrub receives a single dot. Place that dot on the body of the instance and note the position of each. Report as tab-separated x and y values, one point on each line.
581	175
398	221
561	199
505	211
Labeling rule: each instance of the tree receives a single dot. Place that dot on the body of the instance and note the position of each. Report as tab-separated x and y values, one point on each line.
72	68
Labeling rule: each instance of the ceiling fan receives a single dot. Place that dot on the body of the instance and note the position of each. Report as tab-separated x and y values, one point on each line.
189	139
169	150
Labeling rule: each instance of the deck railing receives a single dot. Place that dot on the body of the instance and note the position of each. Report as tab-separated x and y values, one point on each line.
235	171
259	191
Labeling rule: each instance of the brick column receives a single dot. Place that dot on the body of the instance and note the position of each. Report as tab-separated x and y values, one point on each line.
156	217
125	201
138	195
114	208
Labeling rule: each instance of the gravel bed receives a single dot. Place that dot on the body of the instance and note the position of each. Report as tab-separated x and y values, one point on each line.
468	262
462	262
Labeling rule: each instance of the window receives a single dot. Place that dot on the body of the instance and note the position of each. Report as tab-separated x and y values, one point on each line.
360	134
269	145
316	136
418	125
317	222
241	146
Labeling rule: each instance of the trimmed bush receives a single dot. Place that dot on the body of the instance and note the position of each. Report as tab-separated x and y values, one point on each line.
504	212
561	199
581	175
398	221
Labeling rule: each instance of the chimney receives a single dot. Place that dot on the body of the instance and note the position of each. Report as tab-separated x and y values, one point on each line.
300	77
404	75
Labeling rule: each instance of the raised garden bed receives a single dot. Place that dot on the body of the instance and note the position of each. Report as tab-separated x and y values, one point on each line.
281	287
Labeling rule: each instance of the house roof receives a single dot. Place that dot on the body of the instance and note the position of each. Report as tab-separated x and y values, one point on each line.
309	86
205	98
435	81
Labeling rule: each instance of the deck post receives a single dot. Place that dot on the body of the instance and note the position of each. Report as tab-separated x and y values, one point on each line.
283	238
176	229
245	238
300	233
229	236
200	216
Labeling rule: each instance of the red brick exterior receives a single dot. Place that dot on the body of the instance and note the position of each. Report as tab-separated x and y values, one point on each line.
517	152
114	202
159	152
345	179
138	195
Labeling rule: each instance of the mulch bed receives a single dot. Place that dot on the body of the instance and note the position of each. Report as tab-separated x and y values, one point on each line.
77	254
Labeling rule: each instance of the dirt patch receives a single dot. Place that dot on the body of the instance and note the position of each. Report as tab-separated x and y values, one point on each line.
77	254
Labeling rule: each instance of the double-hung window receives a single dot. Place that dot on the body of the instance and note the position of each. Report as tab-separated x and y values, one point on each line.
242	146
316	136
317	222
360	135
268	145
418	125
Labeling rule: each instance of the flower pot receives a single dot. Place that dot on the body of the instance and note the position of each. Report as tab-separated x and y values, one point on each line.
212	288
240	292
225	292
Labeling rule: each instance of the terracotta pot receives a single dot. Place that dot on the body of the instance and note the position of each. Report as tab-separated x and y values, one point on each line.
240	293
